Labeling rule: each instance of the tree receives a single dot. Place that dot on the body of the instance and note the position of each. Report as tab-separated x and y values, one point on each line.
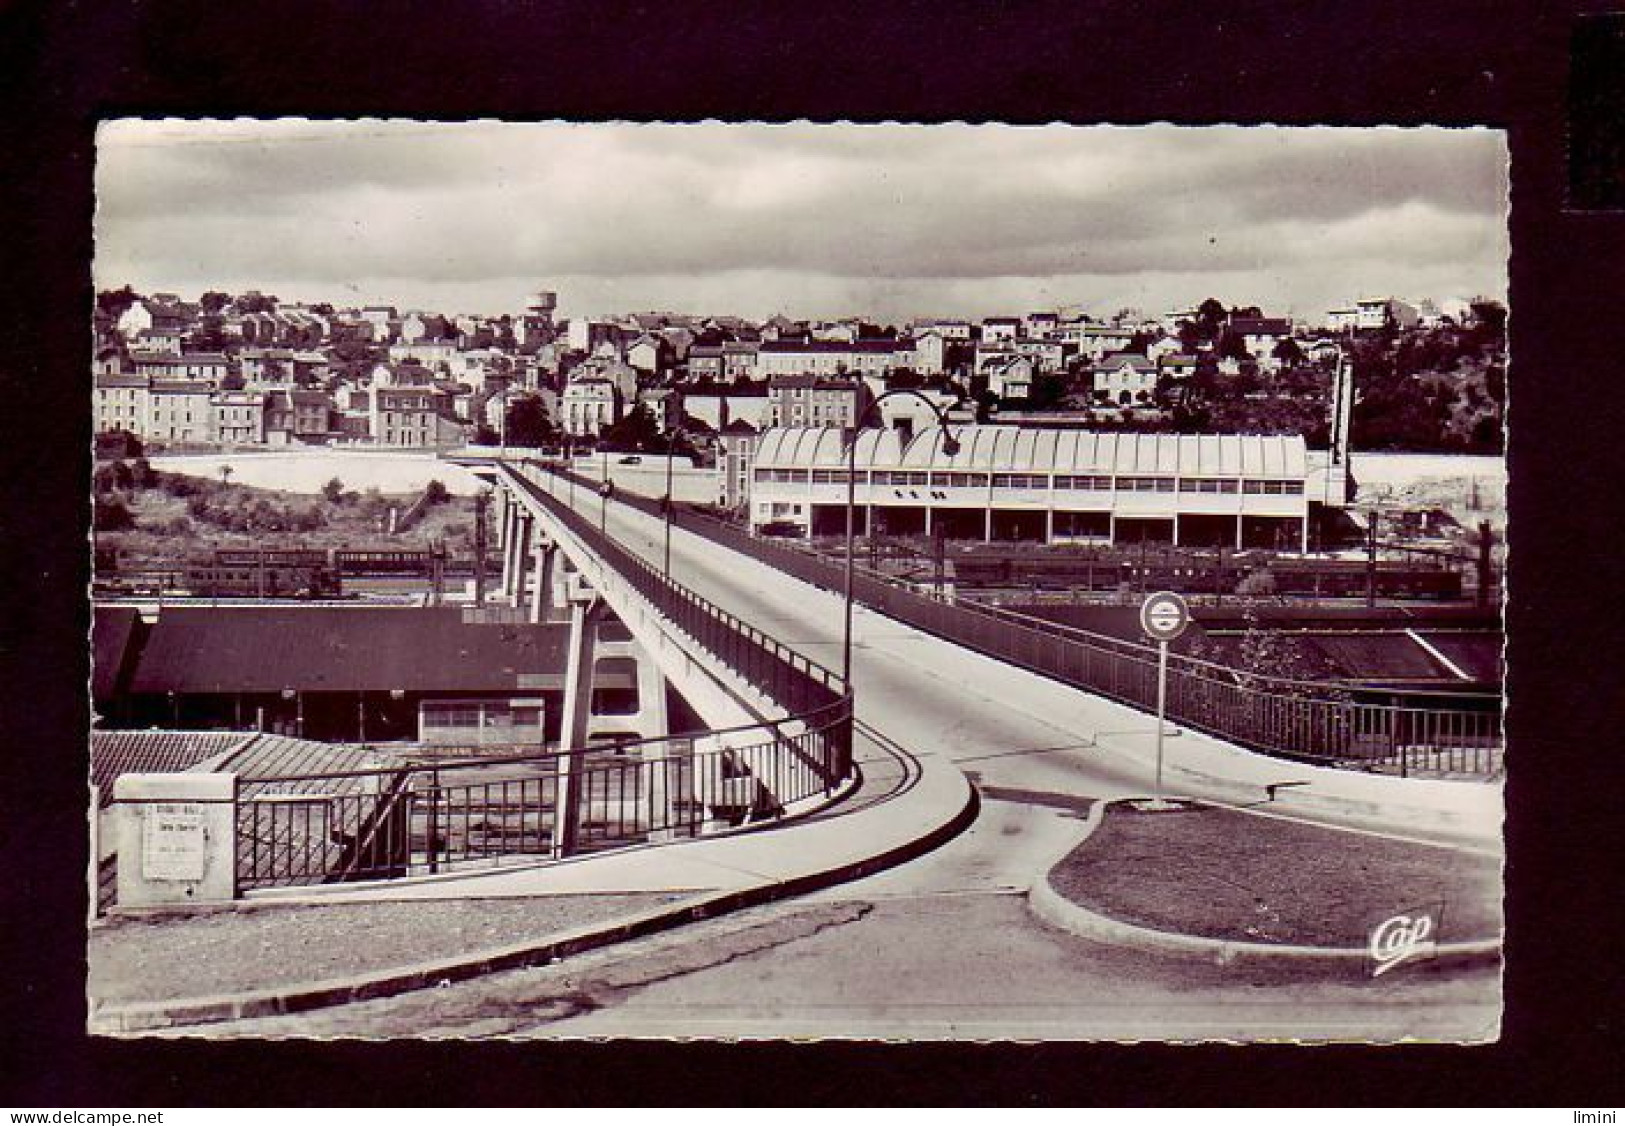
1232	346
1210	317
528	424
232	381
1491	316
111	515
333	491
1046	393
637	431
435	492
256	303
1288	352
214	302
114	303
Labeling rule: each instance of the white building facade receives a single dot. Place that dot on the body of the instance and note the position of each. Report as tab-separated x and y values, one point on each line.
1042	486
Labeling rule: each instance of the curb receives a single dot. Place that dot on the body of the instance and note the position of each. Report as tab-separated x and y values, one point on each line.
1058	911
151	1015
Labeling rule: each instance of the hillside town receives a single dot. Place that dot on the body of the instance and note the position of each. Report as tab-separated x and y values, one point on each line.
249	370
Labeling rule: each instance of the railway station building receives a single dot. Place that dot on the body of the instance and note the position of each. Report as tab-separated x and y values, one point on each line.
1008	483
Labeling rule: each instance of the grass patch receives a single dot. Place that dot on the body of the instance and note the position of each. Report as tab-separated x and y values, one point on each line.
1204	870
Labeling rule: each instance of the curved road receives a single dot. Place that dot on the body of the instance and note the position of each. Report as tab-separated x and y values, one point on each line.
943	947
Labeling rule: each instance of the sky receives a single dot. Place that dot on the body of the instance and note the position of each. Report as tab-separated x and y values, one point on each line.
889	222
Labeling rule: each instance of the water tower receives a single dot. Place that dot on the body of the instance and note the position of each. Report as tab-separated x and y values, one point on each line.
536	322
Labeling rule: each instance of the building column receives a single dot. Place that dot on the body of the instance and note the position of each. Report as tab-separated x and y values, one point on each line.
1239	518
1049	526
1303	534
581	655
987	523
1176	528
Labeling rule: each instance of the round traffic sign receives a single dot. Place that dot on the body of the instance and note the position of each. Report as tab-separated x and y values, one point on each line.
1164	615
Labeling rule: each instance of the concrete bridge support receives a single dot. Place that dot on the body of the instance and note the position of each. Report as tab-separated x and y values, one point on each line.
660	774
586	610
544	552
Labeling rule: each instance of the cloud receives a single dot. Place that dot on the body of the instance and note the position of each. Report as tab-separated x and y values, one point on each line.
760	217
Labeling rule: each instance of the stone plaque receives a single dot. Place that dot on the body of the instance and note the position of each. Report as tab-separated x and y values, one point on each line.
174	842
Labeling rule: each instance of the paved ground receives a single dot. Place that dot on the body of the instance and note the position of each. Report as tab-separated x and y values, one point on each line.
154	958
944	946
946	965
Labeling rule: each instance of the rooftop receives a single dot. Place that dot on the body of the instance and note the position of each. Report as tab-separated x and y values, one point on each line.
342	648
1018	449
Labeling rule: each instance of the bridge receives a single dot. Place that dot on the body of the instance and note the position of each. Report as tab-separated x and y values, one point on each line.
1244	735
1045	722
746	631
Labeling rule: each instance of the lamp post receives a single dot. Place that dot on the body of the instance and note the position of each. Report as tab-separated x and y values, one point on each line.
604	487
950	447
666	505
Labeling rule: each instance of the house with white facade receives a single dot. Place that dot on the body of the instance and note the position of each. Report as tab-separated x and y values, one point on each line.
1125	378
590	406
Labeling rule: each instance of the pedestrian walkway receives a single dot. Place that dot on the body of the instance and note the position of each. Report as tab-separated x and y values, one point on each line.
276	951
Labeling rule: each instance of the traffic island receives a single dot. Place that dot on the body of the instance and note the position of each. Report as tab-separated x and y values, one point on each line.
1194	879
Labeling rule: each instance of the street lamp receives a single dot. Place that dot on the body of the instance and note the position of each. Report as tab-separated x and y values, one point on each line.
950	447
666	505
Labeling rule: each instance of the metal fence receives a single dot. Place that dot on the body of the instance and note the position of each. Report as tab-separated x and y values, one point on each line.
422	818
784	675
1409	732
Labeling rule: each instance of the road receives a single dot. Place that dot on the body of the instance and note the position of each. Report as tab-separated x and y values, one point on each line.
943	947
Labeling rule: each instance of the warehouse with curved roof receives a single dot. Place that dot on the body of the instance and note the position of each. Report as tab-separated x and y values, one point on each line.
1045	486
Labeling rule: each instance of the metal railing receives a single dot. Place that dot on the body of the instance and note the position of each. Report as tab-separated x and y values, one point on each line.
423	818
1408	732
784	675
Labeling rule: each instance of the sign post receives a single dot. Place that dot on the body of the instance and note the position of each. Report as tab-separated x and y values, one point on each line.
1163	617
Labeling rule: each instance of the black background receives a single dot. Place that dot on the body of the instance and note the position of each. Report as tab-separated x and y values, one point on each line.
64	65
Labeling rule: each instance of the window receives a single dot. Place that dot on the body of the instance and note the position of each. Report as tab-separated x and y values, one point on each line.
1206	485
1084	482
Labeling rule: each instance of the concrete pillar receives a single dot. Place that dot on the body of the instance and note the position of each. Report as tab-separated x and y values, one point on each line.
542	589
1303	533
584	614
510	520
1239	519
1049	525
177	838
987	523
1176	529
659	783
521	557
